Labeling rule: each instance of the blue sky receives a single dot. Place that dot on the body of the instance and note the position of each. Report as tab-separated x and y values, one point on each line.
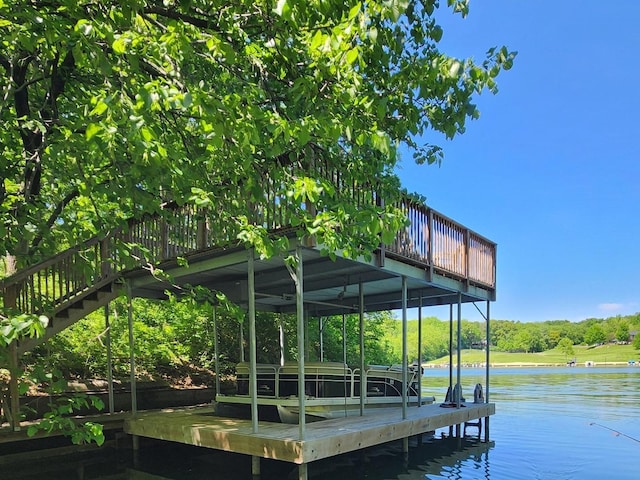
550	171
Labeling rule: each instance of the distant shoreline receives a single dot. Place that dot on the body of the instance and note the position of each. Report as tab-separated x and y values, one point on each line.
533	364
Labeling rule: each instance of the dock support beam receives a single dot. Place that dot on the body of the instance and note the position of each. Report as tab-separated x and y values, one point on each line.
14	389
298	277
132	365
10	301
363	373
255	466
216	348
451	352
132	355
420	352
450	395
486	390
253	375
302	471
458	399
404	348
107	325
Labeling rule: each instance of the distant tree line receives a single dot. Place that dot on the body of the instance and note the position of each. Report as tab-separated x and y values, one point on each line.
512	336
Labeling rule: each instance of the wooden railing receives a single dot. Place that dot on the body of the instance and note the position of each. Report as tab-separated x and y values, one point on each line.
434	240
431	241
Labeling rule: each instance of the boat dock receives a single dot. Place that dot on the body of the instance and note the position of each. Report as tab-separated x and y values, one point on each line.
201	427
433	261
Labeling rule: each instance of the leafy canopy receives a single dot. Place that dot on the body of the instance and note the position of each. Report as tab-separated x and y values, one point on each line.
112	109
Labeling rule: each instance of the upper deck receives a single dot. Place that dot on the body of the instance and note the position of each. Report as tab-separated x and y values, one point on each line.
442	261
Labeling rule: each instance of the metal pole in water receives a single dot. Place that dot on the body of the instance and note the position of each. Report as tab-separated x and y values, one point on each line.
302	471
450	391
255	466
451	352
486	390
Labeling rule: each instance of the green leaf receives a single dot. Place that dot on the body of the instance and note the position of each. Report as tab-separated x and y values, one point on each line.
354	10
436	33
92	130
120	45
283	9
100	108
352	55
147	134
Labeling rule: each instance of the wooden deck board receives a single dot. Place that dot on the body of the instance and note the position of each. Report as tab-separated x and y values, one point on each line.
327	438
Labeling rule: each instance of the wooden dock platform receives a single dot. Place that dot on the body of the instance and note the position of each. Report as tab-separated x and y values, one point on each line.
201	427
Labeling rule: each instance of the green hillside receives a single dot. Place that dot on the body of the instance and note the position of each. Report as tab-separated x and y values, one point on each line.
601	355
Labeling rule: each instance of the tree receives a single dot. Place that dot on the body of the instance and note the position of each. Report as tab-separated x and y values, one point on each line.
472	334
565	345
622	332
114	109
594	334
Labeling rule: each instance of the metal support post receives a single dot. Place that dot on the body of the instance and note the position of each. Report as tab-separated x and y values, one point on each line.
451	353
302	471
458	349
420	351
255	466
405	360
132	356
321	337
132	365
298	278
109	359
363	372
486	390
253	369
216	348
14	390
282	341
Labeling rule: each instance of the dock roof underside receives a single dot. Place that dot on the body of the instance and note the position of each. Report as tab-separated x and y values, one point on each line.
331	287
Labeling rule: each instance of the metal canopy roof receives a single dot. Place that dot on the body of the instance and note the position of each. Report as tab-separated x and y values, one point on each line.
330	286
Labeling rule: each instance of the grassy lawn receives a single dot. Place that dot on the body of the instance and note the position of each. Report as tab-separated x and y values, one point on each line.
603	354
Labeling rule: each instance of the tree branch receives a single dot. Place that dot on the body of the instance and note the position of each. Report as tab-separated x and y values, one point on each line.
53	218
183	17
59	77
4	62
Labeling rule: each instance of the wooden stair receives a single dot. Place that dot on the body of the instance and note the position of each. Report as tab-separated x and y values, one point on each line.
93	299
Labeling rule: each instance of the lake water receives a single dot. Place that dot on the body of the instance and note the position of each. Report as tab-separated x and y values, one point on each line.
550	423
